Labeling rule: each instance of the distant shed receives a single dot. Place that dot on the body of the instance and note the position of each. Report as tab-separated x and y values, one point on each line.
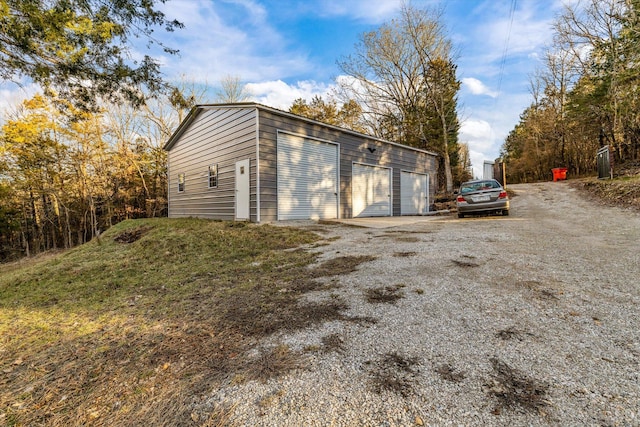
251	162
487	169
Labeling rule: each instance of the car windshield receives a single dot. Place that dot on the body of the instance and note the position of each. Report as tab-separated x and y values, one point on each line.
469	187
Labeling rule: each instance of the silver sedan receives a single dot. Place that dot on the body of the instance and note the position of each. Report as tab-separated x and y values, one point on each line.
482	196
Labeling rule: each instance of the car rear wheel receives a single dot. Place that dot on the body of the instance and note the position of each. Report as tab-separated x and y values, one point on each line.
460	215
505	212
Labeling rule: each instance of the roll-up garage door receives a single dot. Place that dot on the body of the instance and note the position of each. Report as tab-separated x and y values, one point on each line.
371	190
414	193
307	178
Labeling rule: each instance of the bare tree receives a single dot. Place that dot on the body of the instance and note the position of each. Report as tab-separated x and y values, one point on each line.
138	135
403	76
232	90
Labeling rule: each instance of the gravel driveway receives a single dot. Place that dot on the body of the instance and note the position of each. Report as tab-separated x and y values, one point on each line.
531	319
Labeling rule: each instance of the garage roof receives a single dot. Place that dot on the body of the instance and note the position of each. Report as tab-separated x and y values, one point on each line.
195	111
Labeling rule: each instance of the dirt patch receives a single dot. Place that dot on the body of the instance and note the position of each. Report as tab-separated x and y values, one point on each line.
449	373
131	236
384	294
394	373
514	389
404	254
466	261
539	290
333	343
511	333
407	239
257	317
339	266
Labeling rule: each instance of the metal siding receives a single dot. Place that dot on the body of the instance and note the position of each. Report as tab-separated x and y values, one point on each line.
221	136
307	178
353	148
414	196
371	190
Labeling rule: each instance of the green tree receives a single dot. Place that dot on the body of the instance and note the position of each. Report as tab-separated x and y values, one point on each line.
403	75
608	30
81	48
36	159
349	115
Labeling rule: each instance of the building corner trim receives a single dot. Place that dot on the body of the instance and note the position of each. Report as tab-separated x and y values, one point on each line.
258	207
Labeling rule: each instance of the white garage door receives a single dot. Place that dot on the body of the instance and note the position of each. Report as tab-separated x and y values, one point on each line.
371	190
307	178
414	193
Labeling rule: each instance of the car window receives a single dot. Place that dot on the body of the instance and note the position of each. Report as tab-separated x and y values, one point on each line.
469	187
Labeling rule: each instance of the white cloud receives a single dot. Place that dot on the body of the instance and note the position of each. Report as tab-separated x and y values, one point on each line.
481	138
523	32
233	38
12	95
372	12
278	94
476	87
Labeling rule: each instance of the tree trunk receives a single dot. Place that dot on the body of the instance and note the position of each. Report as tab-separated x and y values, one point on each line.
445	154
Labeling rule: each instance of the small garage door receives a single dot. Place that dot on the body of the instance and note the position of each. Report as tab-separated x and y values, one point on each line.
307	178
371	190
414	193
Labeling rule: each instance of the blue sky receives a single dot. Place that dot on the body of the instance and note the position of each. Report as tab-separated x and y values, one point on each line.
286	49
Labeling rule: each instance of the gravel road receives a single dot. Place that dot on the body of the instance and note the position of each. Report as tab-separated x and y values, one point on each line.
530	319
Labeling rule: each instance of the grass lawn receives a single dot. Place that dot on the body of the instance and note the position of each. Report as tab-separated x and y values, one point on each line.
134	327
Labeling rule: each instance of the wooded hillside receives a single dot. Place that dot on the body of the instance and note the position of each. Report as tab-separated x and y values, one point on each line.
585	96
65	178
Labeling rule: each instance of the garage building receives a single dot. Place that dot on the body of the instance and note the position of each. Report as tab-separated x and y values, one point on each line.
247	161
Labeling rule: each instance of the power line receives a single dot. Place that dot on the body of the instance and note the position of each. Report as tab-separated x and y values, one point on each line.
503	60
506	43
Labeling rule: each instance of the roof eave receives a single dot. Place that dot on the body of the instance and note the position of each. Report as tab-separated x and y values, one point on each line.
200	107
191	116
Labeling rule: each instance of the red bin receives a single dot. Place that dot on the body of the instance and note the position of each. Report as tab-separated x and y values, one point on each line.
559	174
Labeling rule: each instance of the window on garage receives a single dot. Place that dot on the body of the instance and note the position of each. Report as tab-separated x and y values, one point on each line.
213	175
181	179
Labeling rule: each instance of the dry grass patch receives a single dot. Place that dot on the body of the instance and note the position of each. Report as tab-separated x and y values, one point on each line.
394	373
333	343
514	389
127	334
623	191
273	363
130	236
384	294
